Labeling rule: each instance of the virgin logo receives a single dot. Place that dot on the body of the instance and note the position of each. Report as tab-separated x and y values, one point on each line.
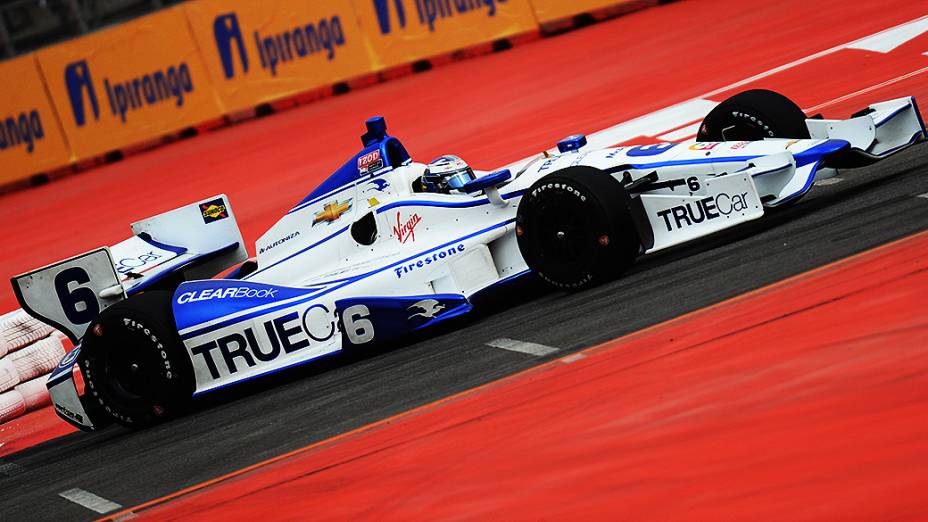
407	230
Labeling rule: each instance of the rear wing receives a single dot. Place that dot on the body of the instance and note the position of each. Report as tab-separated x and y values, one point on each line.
191	242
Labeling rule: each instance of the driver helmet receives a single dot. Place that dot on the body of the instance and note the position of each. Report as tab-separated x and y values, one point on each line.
447	173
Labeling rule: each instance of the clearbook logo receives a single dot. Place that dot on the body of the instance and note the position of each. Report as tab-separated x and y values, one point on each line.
243	292
429	11
23	129
299	42
125	95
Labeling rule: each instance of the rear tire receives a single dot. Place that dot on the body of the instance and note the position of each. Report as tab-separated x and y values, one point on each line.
575	228
133	361
754	115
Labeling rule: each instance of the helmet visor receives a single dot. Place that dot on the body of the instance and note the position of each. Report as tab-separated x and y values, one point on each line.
457	180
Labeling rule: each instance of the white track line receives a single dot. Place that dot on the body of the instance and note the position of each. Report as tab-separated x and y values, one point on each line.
700	108
535	349
925	195
690	130
894	35
807	59
574	357
886	41
89	500
681	134
868	89
829	181
694	109
653	124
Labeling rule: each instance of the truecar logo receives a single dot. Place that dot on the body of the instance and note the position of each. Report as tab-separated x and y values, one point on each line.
292	44
430	11
125	95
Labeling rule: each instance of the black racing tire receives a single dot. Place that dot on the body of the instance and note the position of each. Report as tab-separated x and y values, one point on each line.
134	364
754	115
575	228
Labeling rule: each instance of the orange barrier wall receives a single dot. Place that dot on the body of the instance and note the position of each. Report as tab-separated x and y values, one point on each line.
551	10
262	51
30	136
403	31
129	84
182	66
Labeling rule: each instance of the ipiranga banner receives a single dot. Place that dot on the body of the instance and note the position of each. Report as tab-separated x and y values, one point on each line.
129	84
30	135
203	59
263	51
403	31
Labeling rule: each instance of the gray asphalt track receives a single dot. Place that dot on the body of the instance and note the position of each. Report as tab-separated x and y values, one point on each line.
869	207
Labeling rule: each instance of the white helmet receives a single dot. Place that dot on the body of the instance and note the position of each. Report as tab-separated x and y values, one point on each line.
447	173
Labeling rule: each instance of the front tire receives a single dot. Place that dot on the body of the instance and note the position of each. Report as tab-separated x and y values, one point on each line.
754	115
133	361
575	228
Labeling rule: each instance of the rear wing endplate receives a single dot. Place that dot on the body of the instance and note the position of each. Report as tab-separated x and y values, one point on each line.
197	240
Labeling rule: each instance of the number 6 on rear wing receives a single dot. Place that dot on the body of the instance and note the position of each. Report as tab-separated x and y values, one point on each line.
193	241
70	294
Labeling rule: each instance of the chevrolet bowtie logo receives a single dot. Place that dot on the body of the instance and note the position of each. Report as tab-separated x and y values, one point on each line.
332	212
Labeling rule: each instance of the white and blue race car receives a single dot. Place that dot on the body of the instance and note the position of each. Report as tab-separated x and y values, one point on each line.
387	246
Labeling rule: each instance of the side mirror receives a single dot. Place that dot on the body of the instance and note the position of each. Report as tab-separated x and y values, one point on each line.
488	184
490	180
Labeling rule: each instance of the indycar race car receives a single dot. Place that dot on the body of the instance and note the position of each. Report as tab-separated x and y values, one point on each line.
380	250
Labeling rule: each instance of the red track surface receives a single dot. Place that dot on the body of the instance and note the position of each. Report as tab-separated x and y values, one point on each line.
31	429
491	110
804	400
494	110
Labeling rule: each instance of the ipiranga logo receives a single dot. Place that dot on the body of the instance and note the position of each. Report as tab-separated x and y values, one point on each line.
430	11
24	129
296	43
125	94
